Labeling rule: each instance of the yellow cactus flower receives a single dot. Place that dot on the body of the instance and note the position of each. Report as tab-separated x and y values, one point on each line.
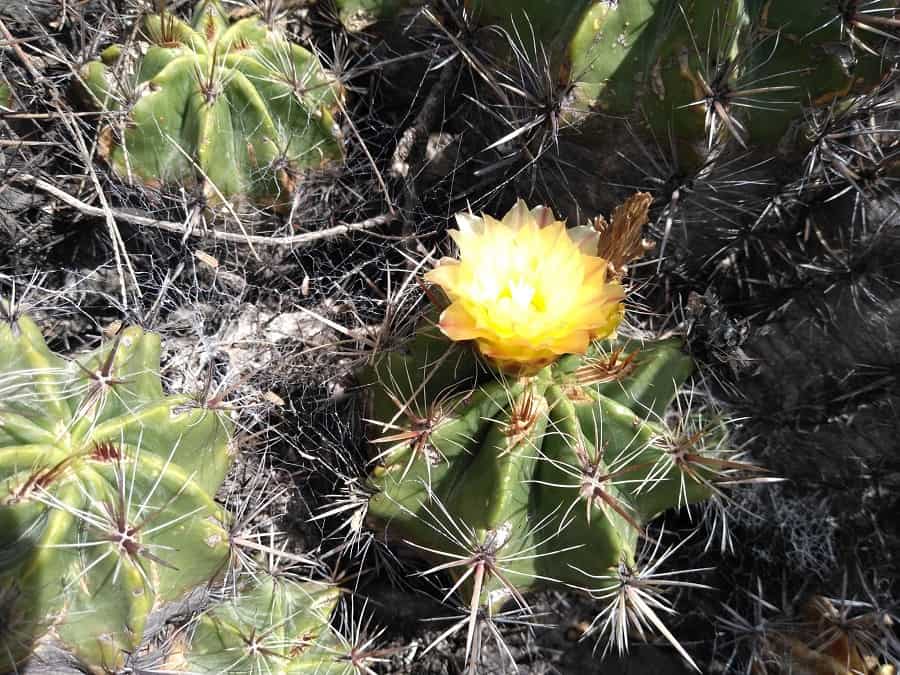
526	289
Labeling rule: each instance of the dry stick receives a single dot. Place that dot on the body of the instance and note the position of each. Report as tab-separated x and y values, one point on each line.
44	116
106	212
119	249
11	41
421	125
5	143
179	228
215	188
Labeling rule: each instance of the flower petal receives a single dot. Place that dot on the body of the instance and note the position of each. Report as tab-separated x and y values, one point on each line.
445	274
586	238
518	216
469	222
542	216
457	324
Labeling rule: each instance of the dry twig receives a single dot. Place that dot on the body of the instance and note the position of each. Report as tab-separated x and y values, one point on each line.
179	228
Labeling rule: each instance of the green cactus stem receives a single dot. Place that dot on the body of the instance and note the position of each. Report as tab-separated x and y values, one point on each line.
237	106
534	482
272	625
694	70
813	54
106	494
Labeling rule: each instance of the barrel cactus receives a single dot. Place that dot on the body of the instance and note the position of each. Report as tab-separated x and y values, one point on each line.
272	624
237	106
537	469
699	68
106	495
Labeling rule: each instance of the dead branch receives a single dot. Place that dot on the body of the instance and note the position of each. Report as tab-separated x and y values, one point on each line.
179	228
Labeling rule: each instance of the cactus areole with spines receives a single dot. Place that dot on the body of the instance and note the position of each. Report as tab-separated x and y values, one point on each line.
541	478
272	625
106	495
237	106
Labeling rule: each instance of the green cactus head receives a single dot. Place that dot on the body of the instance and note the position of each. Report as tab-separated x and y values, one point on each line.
357	15
275	624
106	495
516	480
237	106
271	625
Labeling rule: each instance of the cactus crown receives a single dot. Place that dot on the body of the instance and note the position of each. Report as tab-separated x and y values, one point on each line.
237	105
106	494
272	624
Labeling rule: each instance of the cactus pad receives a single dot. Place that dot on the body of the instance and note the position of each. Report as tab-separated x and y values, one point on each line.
238	106
106	494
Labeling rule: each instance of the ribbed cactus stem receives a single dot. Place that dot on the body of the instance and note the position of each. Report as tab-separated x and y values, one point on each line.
272	625
697	71
106	494
535	481
236	107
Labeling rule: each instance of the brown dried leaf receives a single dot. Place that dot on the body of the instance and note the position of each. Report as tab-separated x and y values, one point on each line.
622	241
105	142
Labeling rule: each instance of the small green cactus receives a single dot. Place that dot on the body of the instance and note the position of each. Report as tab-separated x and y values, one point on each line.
538	481
272	625
106	495
237	105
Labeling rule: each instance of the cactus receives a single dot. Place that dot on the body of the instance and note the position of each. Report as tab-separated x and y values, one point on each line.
106	495
541	481
545	481
238	105
544	468
694	68
272	625
580	448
